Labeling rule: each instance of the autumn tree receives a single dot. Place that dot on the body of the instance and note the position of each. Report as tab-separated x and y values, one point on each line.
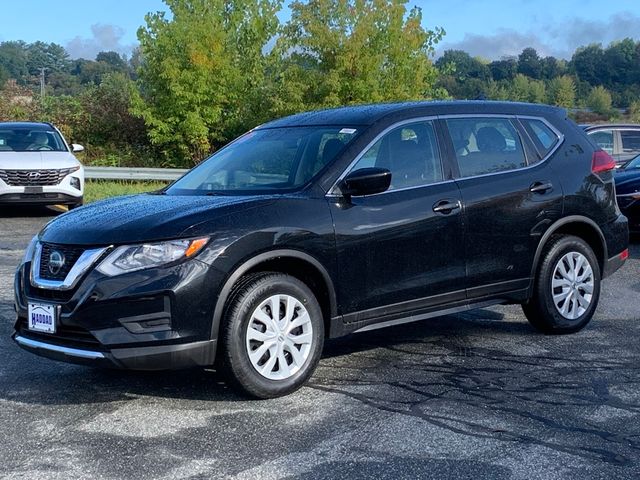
202	72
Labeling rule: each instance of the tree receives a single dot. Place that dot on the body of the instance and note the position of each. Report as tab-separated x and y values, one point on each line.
599	100
109	119
621	63
588	64
51	56
203	72
634	111
13	58
519	88
359	51
113	59
530	64
464	65
562	91
553	68
505	69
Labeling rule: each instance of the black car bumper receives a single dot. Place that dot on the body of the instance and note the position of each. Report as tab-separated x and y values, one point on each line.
162	357
157	319
39	199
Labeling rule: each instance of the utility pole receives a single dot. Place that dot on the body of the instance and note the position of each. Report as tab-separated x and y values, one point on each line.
42	70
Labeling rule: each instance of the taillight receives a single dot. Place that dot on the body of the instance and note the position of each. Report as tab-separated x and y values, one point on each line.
602	162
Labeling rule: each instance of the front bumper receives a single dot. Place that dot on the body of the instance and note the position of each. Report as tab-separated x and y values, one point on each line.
40	199
156	319
64	193
162	357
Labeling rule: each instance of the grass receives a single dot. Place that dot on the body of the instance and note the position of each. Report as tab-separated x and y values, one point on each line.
98	189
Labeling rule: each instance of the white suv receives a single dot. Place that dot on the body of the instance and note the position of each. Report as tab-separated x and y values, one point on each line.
37	166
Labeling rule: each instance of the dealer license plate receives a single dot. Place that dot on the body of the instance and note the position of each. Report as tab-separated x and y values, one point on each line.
42	317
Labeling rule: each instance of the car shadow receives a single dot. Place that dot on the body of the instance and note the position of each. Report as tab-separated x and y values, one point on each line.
30	379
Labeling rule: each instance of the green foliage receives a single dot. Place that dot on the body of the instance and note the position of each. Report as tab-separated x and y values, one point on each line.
215	68
95	190
202	72
562	91
530	64
599	100
634	111
343	52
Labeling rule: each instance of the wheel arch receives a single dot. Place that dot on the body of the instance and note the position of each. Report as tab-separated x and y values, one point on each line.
579	226
298	264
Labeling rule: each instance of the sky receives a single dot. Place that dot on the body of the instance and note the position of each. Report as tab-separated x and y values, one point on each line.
488	28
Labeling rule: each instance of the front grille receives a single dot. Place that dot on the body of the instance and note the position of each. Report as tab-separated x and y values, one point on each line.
34	178
69	255
53	295
67	336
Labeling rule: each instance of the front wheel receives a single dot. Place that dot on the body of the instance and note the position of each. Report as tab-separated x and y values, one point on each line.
272	335
567	287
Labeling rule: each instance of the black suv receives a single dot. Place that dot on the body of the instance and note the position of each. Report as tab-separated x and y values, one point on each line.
326	223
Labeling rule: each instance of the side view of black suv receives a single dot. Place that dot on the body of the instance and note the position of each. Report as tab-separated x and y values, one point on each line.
326	223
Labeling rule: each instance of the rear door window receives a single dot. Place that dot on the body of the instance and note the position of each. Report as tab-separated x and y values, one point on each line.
485	145
630	141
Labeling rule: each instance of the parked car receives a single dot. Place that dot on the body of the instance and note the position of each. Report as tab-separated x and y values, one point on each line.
627	180
37	166
621	141
326	223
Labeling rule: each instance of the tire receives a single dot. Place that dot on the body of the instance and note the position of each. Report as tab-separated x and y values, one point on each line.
250	339
567	307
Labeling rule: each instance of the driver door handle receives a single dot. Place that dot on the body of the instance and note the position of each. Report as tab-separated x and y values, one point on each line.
445	207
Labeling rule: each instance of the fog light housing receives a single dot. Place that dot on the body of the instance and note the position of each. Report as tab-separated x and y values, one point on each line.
75	183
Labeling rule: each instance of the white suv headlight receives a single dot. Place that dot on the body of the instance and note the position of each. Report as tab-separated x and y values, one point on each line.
130	258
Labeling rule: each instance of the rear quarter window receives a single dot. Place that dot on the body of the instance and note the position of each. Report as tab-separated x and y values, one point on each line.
542	135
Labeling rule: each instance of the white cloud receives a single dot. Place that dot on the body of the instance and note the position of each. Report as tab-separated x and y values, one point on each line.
104	38
558	39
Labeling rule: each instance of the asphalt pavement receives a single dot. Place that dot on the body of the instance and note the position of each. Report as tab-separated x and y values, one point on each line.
474	395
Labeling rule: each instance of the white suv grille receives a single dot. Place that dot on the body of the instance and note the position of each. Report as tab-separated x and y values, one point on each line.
29	178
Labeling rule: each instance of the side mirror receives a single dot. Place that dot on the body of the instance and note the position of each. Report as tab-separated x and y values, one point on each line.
366	181
76	148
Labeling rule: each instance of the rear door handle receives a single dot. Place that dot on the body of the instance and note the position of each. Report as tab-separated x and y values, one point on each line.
445	207
541	187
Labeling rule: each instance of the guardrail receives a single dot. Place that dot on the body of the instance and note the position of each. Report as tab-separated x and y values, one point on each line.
122	173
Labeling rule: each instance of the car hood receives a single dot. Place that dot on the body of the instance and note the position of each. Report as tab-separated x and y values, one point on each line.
627	181
142	218
36	160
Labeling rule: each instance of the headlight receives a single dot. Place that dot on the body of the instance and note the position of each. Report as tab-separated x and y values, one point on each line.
28	253
130	258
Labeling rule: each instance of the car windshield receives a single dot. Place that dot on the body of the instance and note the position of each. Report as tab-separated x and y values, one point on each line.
635	163
267	160
25	139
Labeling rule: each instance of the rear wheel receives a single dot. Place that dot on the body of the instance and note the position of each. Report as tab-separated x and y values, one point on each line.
567	287
272	335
